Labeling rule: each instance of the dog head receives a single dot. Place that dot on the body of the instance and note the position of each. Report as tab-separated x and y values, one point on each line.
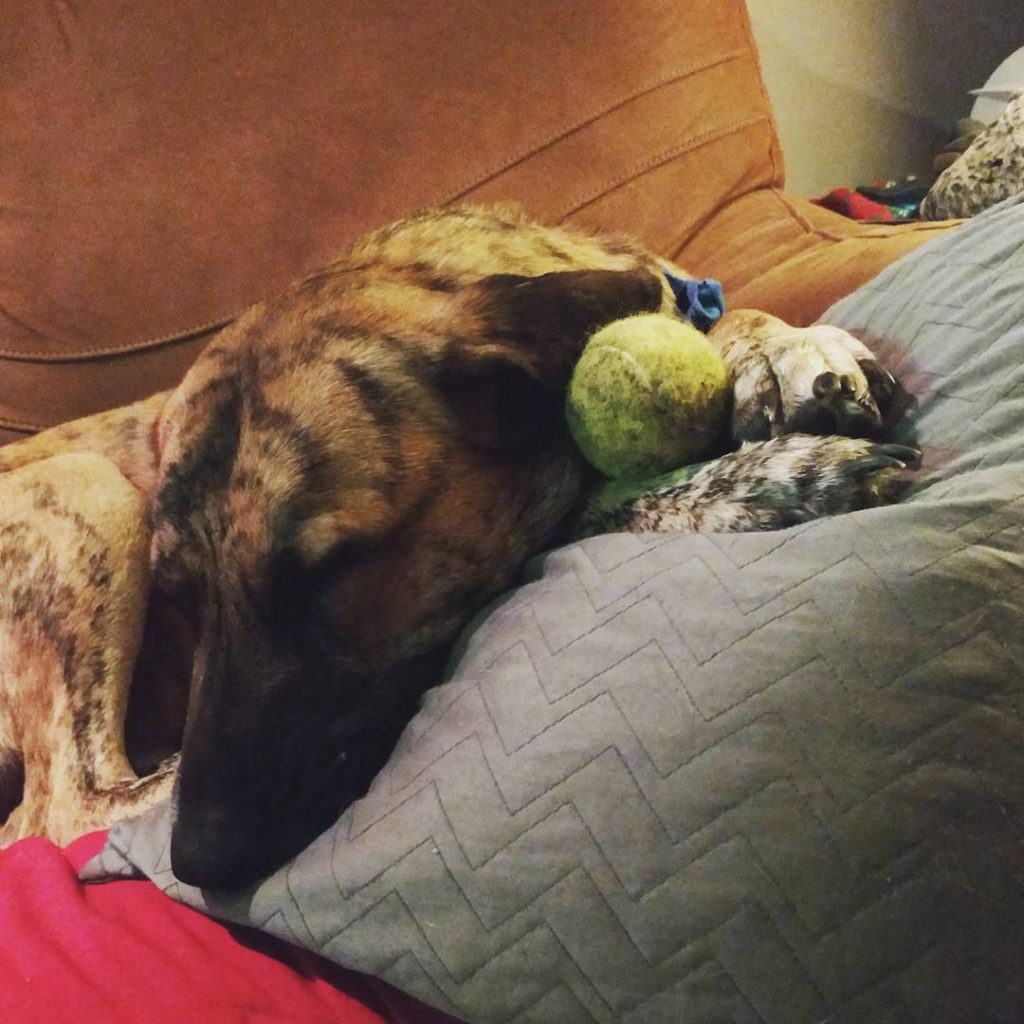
346	477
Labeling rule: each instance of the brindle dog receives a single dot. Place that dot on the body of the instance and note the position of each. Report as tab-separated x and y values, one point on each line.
341	481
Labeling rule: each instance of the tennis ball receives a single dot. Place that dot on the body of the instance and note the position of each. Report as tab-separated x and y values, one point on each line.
649	394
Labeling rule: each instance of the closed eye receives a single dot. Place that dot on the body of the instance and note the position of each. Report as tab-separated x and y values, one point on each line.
293	582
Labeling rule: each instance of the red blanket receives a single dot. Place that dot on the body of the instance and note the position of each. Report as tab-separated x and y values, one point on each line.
124	952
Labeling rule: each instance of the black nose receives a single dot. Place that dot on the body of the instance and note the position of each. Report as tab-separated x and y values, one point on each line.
210	855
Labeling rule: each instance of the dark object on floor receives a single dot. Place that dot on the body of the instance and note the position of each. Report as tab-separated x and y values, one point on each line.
905	192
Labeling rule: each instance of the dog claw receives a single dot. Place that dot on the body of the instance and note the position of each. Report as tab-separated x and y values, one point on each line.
874	464
882	458
905	456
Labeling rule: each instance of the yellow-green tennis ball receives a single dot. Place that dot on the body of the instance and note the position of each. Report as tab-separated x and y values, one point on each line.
649	394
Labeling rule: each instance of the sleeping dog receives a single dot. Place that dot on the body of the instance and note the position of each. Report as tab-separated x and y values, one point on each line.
344	477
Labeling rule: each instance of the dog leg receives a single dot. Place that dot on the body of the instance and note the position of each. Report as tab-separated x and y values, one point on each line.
766	486
125	436
74	544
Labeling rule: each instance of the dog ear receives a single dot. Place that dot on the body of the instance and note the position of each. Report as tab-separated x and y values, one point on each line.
546	320
499	405
506	381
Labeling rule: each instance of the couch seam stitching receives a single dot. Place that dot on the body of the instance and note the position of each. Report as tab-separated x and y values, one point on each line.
868	231
77	355
595	115
651	163
775	145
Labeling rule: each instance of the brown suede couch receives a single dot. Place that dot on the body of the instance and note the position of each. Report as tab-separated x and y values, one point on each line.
163	166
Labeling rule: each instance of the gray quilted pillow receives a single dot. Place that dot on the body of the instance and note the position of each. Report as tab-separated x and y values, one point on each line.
750	778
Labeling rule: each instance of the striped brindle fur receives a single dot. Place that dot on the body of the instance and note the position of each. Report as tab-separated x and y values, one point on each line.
345	476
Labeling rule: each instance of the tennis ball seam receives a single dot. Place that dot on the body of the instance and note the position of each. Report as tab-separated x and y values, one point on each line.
663	404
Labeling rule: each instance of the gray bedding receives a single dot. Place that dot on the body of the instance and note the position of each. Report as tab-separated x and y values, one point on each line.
748	778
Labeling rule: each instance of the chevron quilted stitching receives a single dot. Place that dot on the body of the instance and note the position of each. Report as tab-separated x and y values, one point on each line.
732	758
748	778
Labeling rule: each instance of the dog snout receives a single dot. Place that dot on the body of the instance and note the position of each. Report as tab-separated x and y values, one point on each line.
209	853
199	855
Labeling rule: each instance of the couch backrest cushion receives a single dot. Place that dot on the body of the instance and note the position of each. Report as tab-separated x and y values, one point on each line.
166	165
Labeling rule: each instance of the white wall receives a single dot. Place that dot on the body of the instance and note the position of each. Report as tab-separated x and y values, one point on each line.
867	89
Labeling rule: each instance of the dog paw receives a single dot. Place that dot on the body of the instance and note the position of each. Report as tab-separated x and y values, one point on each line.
773	484
811	380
